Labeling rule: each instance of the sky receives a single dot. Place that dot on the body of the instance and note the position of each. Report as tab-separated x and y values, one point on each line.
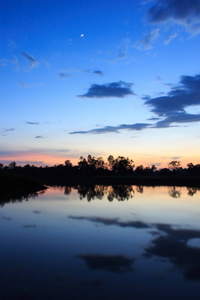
103	78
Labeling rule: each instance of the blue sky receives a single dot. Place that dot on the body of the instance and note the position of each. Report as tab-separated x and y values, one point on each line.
100	78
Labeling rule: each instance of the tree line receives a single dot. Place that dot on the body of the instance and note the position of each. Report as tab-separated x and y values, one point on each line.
92	165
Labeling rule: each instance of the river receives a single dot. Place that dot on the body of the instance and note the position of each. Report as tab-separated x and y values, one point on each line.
122	242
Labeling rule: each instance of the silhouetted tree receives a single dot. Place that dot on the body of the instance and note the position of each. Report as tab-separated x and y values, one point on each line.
190	166
68	164
174	165
110	160
82	163
139	170
121	164
12	165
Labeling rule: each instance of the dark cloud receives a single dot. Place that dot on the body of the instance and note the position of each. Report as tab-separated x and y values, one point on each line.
106	129
32	62
39	137
118	89
136	126
115	221
7	130
64	75
154	119
112	263
178	118
32	123
170	109
114	129
185	12
172	106
95	72
98	72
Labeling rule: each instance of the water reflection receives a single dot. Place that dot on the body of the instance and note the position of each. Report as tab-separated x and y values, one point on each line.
111	249
116	221
121	192
173	245
10	197
174	192
92	192
112	263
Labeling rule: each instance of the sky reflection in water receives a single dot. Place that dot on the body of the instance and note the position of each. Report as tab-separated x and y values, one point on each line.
102	242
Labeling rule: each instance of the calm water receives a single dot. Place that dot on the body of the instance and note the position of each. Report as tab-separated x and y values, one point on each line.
125	242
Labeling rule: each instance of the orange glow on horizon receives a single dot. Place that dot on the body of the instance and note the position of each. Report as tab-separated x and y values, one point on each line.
51	160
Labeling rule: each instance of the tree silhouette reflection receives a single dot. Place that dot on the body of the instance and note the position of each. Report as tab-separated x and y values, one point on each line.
192	190
174	193
119	192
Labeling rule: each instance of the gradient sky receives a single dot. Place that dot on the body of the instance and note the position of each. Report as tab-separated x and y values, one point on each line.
100	77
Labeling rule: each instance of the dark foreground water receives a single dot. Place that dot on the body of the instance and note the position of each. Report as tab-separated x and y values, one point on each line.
102	243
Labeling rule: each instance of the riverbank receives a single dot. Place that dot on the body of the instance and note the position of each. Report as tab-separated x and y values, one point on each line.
17	187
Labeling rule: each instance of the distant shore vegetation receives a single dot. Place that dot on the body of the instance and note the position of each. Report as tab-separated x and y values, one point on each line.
94	170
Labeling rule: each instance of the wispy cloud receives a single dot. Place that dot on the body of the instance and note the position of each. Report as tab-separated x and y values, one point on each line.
67	73
32	123
11	44
24	84
5	131
146	43
42	151
114	129
118	89
30	226
185	13
170	38
30	59
122	53
3	62
39	137
64	75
